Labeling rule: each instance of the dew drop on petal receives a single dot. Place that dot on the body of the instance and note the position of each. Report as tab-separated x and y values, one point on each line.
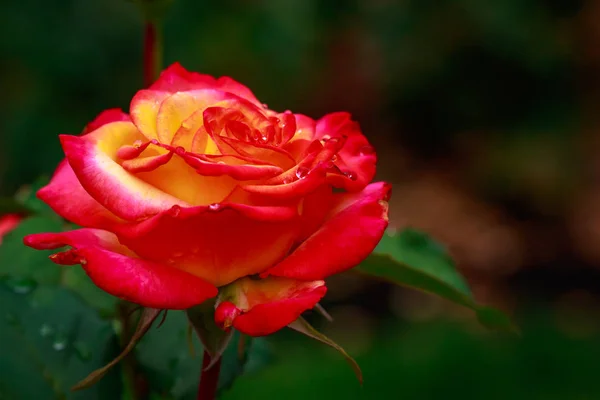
214	207
137	144
286	180
325	138
334	157
301	172
175	210
179	150
350	175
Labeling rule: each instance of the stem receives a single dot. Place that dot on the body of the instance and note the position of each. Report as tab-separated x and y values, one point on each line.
207	388
153	51
135	385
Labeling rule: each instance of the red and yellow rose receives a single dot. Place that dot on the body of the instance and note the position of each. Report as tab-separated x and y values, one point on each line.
202	191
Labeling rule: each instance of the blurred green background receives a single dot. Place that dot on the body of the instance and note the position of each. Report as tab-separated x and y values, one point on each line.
485	118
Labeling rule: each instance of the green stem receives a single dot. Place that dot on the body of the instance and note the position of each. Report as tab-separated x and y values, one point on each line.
209	379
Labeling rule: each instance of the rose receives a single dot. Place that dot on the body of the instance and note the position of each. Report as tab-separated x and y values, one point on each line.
8	222
203	191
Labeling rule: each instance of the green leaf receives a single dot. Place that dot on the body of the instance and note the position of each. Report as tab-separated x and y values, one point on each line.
77	280
302	326
165	358
146	319
49	337
20	261
412	259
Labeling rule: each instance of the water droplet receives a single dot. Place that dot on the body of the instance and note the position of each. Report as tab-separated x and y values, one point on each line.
60	342
20	285
287	180
154	141
46	330
325	138
334	157
175	210
11	318
301	172
137	144
179	150
214	207
83	351
264	139
350	175
366	150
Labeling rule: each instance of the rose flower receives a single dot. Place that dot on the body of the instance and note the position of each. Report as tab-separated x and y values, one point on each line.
202	191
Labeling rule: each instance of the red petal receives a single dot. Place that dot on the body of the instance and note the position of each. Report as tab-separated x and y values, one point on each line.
353	228
114	269
93	159
265	153
105	117
356	159
234	166
177	79
65	195
303	137
219	243
262	307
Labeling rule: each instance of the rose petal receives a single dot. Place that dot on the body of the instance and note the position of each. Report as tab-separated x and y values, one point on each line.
350	233
177	79
303	137
65	195
177	108
273	155
146	164
219	243
93	159
356	159
261	307
302	185
105	117
236	167
114	269
144	110
180	180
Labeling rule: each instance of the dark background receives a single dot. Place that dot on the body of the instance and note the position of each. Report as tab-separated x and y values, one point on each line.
485	118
